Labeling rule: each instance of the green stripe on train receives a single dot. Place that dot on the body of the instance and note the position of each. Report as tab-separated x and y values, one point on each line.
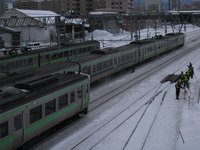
6	142
52	117
68	49
47	120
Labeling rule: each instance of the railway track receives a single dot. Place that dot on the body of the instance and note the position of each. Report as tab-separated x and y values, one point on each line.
139	105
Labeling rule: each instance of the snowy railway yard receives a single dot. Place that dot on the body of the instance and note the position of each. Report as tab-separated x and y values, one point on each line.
134	111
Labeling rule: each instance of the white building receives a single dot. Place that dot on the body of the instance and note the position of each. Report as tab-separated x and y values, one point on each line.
42	32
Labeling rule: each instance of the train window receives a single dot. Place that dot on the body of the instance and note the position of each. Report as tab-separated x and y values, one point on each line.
30	61
21	63
17	122
3	129
79	51
89	49
146	50
72	96
119	59
47	58
75	52
94	68
110	63
151	49
66	54
79	93
131	56
54	56
13	65
123	58
35	114
89	70
60	55
63	101
99	67
105	65
84	50
93	48
50	107
127	57
70	53
87	89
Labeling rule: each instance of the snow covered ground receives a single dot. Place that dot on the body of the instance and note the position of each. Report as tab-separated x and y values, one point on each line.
176	118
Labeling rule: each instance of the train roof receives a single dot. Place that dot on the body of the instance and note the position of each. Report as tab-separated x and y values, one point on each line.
156	38
111	50
22	93
105	51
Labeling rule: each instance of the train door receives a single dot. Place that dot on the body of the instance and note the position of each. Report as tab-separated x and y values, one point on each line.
18	129
79	98
115	63
85	70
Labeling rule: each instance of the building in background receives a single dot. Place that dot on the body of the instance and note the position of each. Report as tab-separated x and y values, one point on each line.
20	35
174	5
77	7
26	4
2	7
153	6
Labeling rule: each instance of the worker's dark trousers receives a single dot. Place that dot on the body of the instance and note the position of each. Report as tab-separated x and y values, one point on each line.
177	92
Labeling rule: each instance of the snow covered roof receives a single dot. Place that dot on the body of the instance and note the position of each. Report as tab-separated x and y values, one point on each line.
38	13
101	13
184	11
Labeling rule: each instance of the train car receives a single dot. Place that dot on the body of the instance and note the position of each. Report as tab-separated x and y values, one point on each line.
32	107
46	56
102	63
175	40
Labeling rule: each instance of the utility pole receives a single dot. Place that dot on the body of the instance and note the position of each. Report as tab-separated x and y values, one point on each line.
137	23
131	28
139	18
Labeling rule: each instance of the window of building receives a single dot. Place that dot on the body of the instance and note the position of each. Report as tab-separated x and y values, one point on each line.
13	17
